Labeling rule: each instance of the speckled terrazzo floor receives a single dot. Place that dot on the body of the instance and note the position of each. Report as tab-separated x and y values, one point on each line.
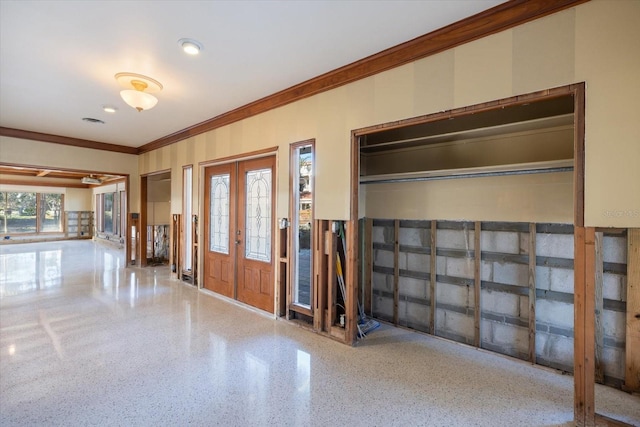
86	342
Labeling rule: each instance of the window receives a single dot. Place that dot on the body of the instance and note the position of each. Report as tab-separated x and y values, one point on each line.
111	213
187	190
31	213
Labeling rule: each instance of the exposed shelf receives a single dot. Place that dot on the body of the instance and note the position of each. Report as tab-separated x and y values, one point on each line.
477	172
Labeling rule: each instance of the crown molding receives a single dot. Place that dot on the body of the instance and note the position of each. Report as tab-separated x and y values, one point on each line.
64	140
504	16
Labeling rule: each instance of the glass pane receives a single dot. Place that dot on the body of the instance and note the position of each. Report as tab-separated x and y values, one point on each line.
108	212
18	213
51	212
303	200
219	208
258	215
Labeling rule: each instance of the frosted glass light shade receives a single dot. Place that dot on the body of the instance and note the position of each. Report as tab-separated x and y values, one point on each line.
138	99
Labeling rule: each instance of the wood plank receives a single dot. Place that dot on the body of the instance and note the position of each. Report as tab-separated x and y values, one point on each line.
351	281
477	291
396	269
142	255
368	264
532	293
432	276
599	307
632	361
584	324
318	252
330	250
578	154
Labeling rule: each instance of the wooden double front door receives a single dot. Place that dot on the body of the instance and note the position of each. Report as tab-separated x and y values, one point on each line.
239	238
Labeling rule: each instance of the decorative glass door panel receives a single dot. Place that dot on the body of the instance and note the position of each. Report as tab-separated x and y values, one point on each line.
258	215
219	214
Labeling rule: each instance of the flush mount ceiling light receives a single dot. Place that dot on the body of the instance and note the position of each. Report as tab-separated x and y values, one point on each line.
109	109
190	46
138	90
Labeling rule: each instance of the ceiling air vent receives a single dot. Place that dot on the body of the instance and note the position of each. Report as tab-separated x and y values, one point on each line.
92	120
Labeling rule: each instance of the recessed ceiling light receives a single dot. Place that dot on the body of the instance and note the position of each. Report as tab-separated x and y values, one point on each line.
92	120
109	109
190	46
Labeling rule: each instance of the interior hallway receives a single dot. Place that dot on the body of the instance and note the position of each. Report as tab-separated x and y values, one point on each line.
85	341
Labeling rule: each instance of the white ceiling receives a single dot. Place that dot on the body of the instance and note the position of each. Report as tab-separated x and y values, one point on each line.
58	58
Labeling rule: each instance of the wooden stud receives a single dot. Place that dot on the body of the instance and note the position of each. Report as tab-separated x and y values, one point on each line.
396	269
584	322
330	251
350	272
142	255
632	361
477	291
368	264
599	304
432	276
532	293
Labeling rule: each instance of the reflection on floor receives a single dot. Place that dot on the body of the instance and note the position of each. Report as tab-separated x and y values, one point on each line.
85	341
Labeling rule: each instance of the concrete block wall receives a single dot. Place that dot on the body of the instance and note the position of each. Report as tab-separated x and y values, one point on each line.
455	266
504	301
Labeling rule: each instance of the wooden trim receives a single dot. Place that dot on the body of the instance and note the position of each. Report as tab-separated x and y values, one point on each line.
532	293
396	269
43	184
477	291
602	420
368	265
491	21
546	94
432	276
632	358
578	153
239	157
599	307
158	172
64	140
142	223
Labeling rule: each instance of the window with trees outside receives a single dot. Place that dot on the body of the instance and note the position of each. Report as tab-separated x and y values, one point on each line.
111	213
31	213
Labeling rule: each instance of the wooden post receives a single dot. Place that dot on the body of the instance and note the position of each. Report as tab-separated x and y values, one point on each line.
532	293
330	251
477	282
432	275
396	269
584	323
632	362
599	304
368	263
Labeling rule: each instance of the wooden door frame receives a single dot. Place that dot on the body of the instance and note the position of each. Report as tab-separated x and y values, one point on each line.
584	270
266	152
291	267
143	214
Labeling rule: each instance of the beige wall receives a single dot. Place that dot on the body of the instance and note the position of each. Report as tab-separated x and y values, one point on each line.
597	42
35	153
78	199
